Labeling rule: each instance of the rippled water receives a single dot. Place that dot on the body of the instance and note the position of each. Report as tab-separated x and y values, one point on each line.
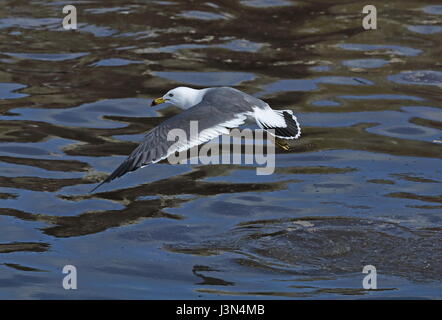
361	187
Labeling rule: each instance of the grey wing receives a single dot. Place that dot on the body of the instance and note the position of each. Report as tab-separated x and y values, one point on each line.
199	124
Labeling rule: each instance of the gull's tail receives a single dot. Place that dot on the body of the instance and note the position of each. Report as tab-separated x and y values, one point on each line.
282	124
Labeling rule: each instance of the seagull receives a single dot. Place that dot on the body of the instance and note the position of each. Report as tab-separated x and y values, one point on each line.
217	110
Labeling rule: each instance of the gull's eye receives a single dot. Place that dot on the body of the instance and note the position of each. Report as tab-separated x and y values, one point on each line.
170	94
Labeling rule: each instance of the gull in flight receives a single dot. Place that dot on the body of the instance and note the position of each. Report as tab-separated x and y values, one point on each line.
217	110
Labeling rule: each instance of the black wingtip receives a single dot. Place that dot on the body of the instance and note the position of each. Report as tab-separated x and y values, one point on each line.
99	185
122	169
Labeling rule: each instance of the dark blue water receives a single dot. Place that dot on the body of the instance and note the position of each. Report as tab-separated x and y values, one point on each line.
363	185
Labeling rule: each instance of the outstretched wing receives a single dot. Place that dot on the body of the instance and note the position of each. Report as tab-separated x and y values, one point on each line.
212	116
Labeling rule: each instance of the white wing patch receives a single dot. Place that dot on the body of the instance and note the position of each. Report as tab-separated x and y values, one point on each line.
204	136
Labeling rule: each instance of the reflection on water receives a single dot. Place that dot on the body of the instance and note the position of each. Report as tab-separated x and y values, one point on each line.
362	186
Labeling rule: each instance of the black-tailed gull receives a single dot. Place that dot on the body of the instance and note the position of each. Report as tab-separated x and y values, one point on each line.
217	110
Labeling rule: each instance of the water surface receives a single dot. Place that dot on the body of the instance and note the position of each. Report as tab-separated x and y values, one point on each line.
361	187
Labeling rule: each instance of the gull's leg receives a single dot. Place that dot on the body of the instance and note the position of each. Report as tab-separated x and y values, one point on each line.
282	144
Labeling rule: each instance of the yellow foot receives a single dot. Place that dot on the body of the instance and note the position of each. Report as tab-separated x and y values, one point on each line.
282	144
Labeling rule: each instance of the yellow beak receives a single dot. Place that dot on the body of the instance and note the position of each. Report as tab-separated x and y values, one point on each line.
157	101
